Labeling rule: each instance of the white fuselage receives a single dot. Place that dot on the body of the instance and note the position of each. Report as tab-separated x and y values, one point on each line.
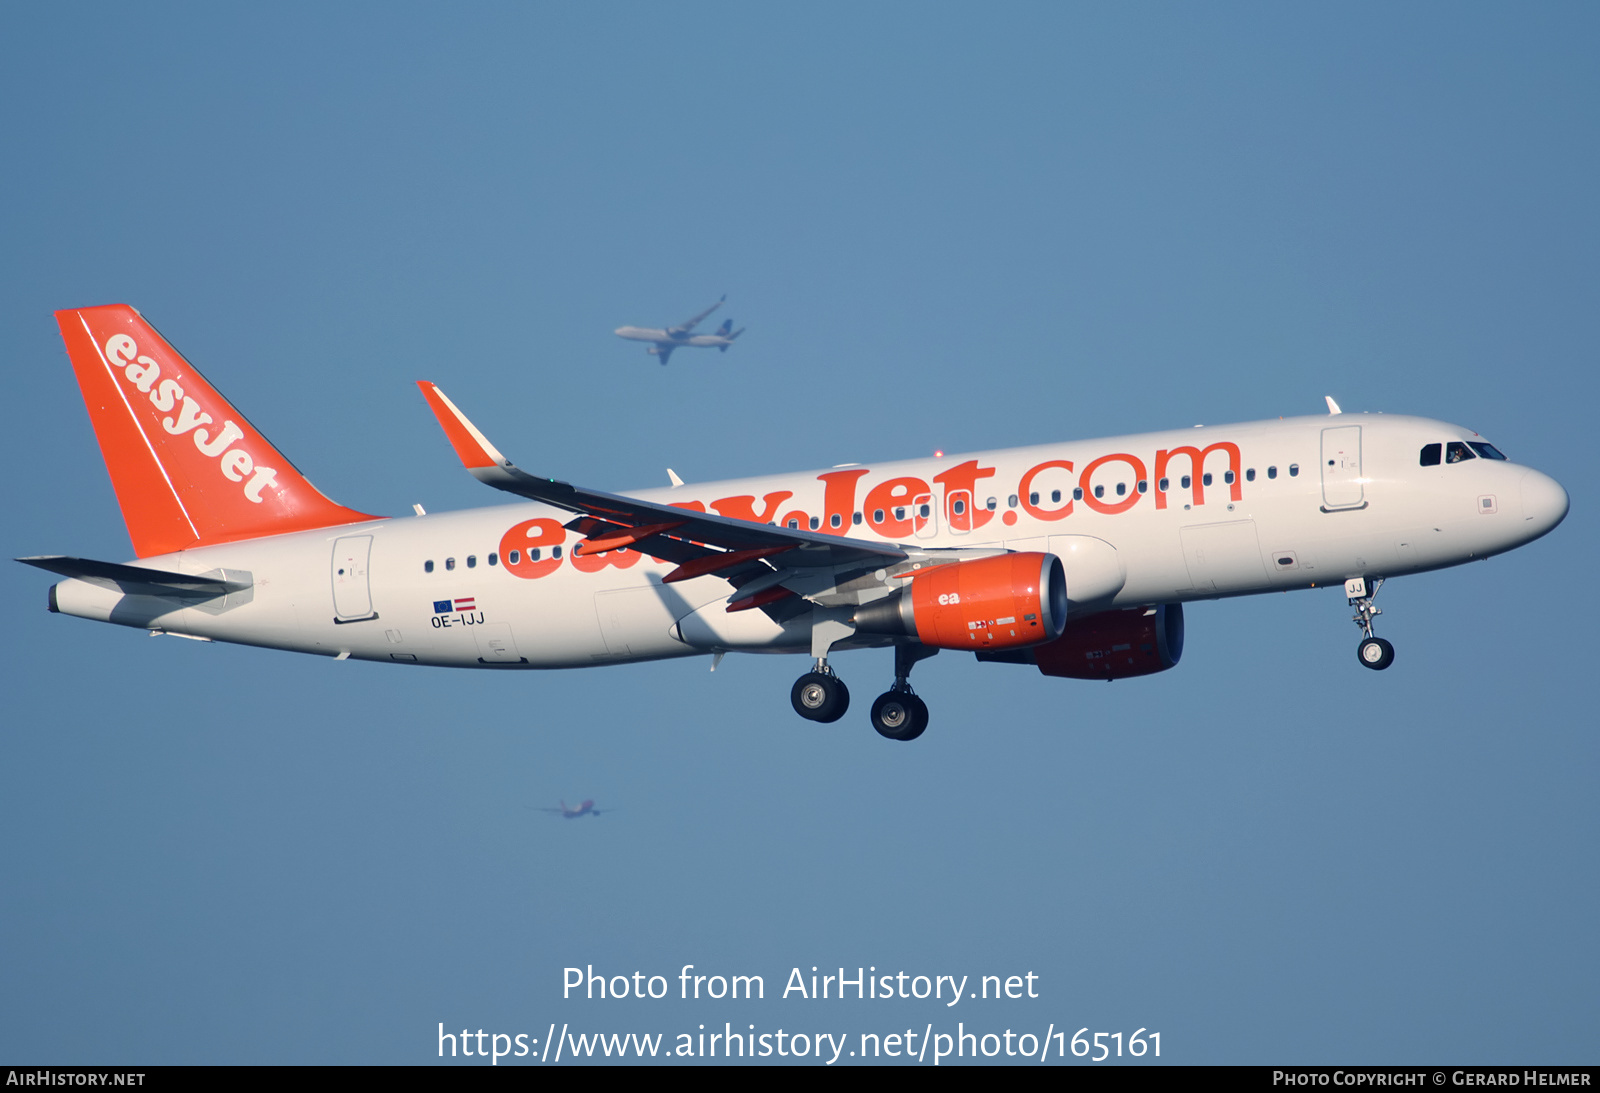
1307	502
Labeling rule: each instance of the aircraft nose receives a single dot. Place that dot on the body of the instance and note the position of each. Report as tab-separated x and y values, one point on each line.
1544	502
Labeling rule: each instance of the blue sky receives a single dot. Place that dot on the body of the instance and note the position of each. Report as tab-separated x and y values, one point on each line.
945	227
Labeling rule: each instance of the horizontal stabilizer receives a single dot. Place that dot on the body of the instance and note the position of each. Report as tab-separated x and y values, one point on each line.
136	580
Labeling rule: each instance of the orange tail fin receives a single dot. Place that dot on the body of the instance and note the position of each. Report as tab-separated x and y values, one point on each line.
188	469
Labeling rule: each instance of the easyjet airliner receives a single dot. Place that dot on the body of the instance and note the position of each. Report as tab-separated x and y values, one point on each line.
1076	558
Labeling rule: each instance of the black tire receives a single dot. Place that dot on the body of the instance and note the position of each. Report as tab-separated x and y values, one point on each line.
899	715
841	701
1375	653
921	723
817	697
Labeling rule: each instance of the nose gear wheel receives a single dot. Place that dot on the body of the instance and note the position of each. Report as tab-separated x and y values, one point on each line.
1373	652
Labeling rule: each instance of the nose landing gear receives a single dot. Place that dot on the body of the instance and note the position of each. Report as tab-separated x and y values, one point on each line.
1373	652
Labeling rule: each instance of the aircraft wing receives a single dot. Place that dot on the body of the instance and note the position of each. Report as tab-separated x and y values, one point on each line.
699	542
685	327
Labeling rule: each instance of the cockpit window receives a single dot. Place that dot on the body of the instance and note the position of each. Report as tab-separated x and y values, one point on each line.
1488	451
1457	452
1431	454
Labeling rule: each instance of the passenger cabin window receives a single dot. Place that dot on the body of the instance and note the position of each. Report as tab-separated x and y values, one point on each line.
472	561
1011	502
1055	496
958	507
1099	491
1077	493
1033	498
494	559
991	504
835	521
1228	478
1457	452
1164	485
1488	451
555	552
1272	472
449	563
1144	485
427	566
877	516
856	519
816	522
1294	470
1431	454
514	557
1185	481
1122	488
1250	475
1205	479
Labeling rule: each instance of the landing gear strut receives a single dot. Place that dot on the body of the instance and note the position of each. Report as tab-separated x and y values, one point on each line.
898	713
819	695
1373	652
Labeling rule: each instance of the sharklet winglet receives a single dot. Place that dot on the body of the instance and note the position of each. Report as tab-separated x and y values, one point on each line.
472	447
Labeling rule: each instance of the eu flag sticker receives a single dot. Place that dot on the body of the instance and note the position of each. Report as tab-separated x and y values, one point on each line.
441	607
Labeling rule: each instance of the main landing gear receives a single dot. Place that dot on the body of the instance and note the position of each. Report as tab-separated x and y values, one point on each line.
1373	652
897	714
819	695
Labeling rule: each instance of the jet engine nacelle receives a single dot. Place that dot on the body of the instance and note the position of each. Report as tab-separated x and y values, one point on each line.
1116	644
1008	601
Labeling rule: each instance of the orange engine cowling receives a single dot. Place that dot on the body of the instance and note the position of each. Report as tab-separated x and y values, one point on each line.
1009	601
1113	645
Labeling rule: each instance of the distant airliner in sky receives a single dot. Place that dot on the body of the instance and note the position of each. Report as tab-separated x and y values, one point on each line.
675	337
572	812
1074	557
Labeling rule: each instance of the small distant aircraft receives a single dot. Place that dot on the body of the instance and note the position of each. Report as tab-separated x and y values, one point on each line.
674	337
572	812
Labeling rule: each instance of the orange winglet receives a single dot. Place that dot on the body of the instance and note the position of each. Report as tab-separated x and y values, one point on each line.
712	563
623	539
760	599
472	447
